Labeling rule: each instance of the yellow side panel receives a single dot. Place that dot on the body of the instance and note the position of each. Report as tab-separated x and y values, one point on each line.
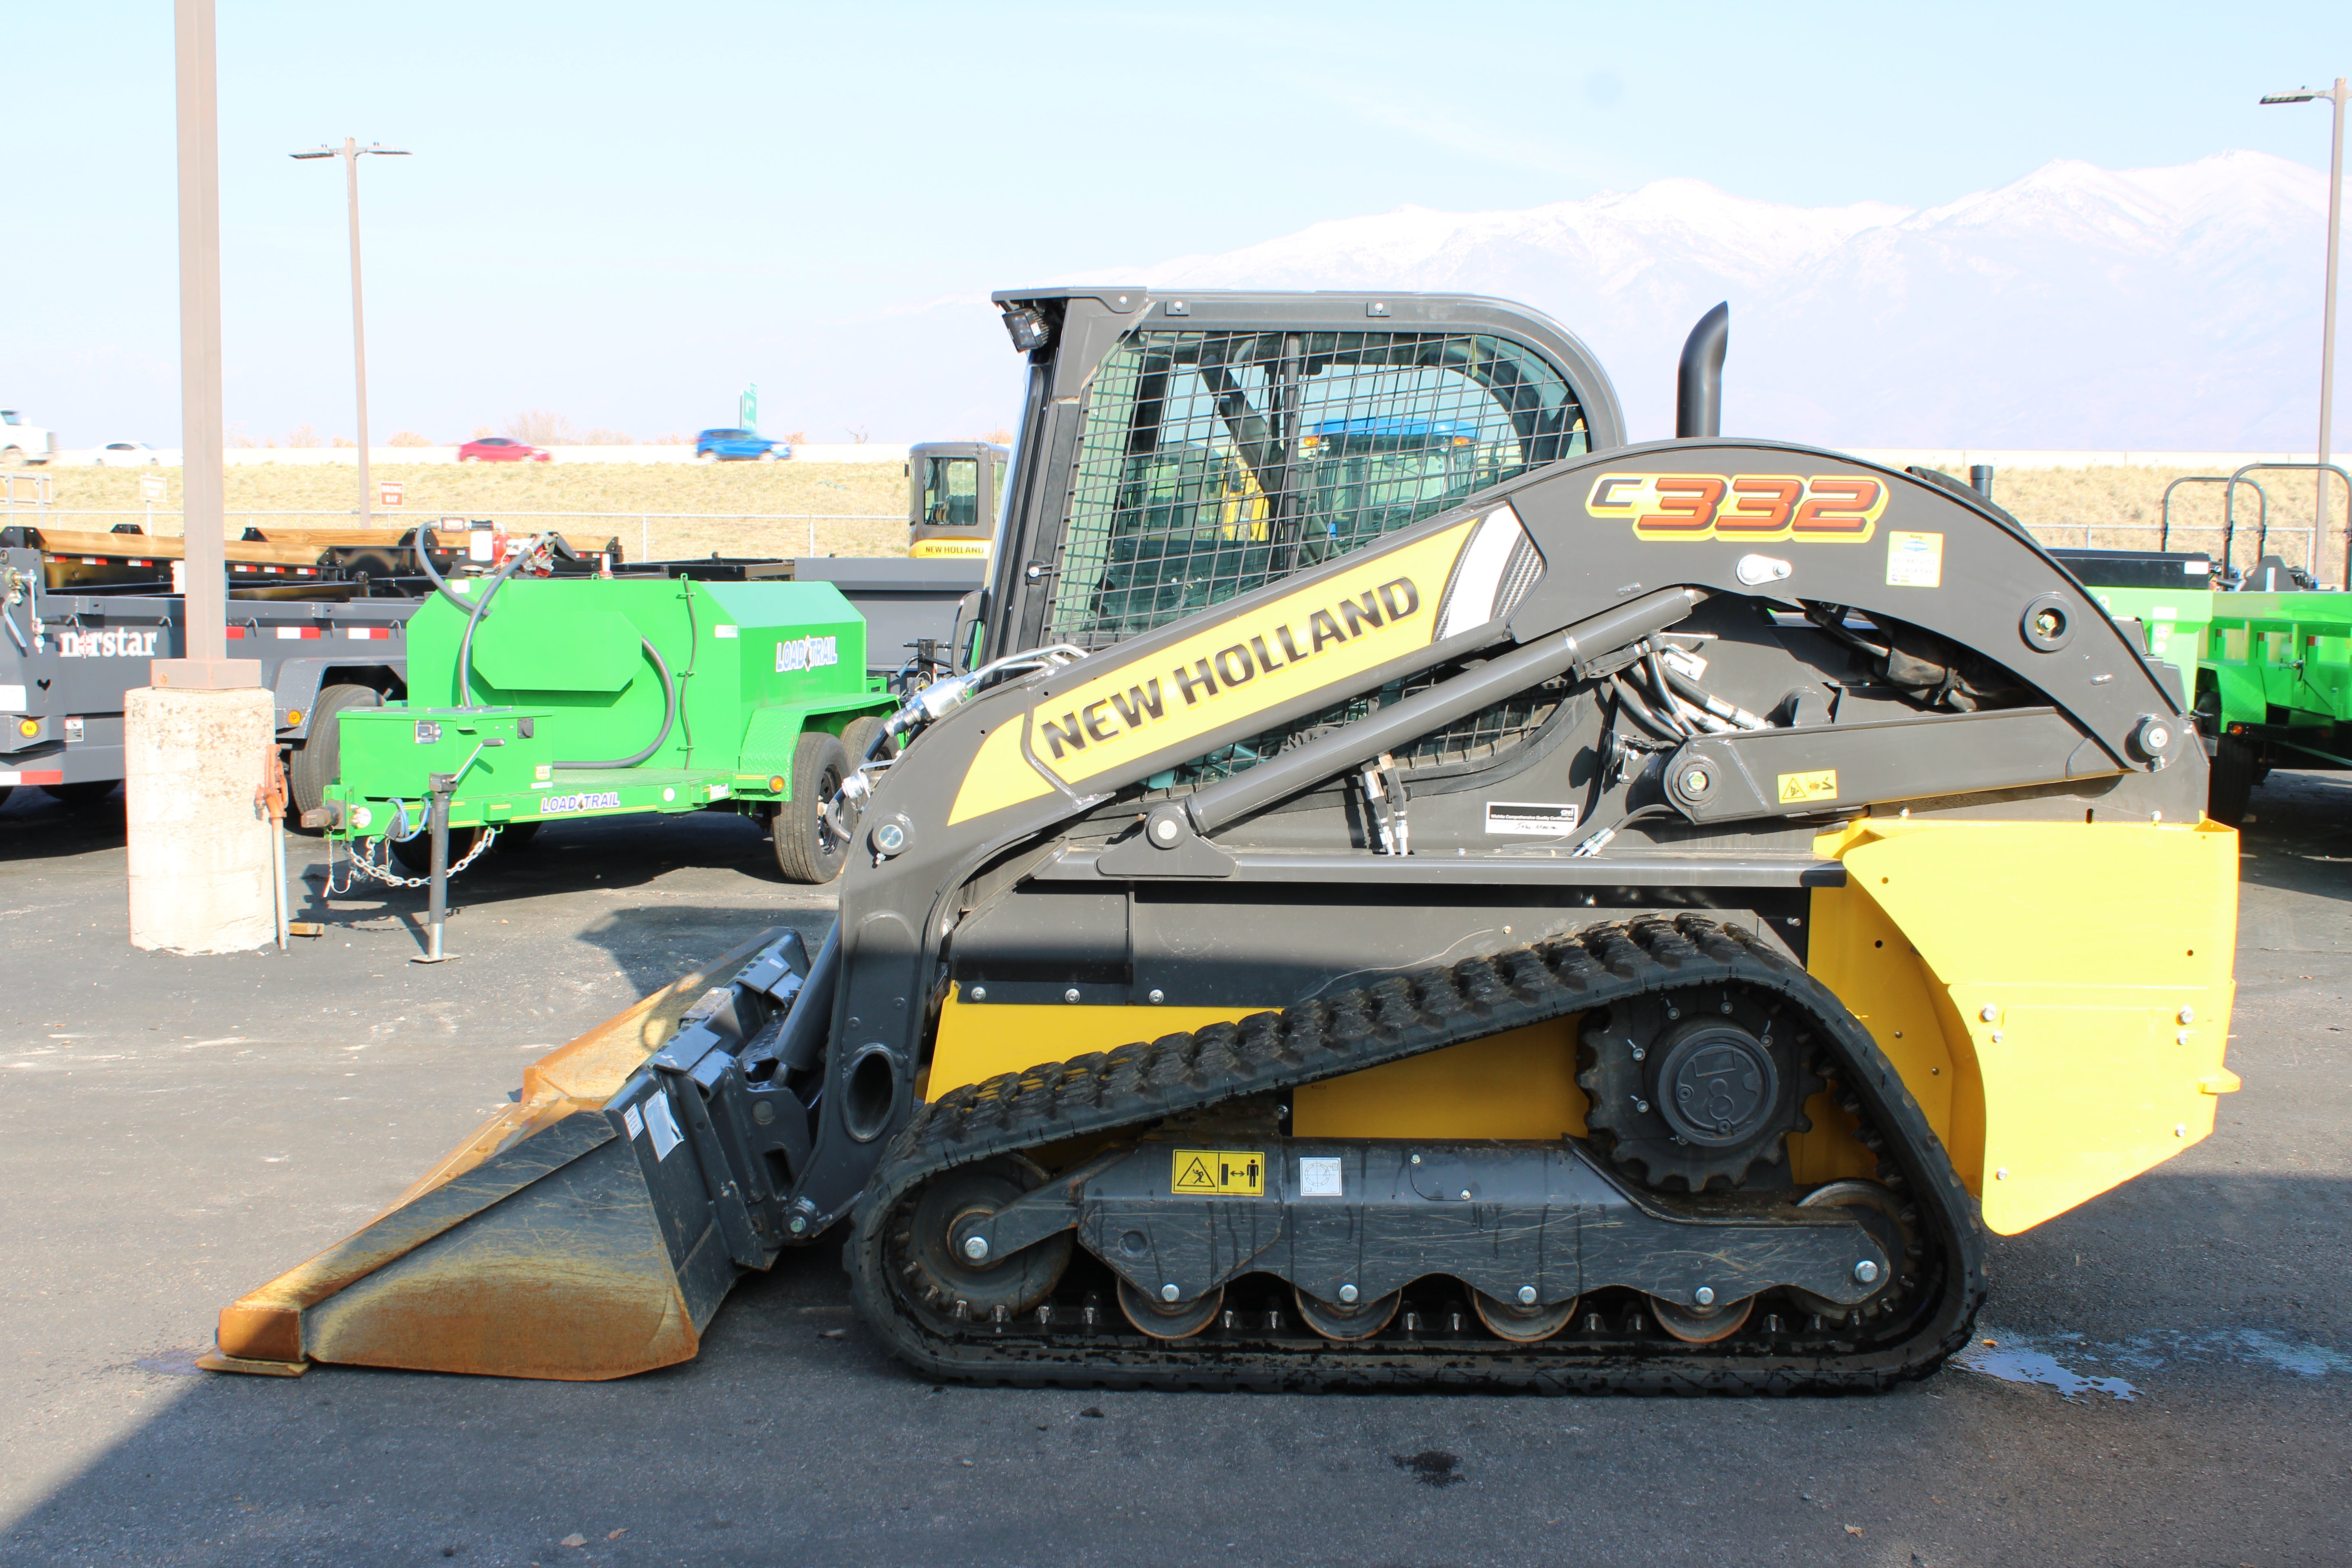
2080	976
999	776
979	1040
1519	1084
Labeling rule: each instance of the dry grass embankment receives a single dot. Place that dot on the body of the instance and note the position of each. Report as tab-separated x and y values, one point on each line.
733	491
2103	507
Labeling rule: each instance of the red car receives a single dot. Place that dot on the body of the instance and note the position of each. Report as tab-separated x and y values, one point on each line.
498	449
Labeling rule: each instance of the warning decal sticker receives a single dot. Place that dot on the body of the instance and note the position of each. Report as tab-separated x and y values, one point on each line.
1218	1172
1915	560
662	1125
1797	789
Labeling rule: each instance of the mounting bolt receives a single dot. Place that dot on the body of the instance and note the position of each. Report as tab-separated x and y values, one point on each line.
980	992
2002	1174
1168	1292
1157	997
1348	1294
1071	995
1996	1036
1466	1194
1416	1159
2189	1015
890	837
1989	1012
1527	1295
1641	1105
1697	781
799	1224
1704	1296
976	1247
2180	1129
1865	1272
2181	1038
1639	1054
1165	830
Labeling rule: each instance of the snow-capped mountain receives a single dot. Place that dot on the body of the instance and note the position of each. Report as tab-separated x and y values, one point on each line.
2077	308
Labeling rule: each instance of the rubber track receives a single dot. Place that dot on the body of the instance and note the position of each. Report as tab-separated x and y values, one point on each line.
1406	1014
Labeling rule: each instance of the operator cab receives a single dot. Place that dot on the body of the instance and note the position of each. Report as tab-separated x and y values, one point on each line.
953	488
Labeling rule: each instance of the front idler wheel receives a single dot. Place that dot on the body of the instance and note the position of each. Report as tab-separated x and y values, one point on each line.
1169	1319
1522	1324
1879	1212
950	1291
1344	1320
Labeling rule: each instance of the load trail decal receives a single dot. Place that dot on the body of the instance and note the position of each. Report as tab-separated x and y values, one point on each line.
1821	509
1217	1173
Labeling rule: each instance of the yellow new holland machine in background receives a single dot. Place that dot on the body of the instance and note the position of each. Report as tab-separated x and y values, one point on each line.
1623	926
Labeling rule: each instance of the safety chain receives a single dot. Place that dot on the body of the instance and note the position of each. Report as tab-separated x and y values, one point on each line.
362	864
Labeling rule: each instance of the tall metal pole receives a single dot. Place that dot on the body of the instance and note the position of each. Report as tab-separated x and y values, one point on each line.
359	322
350	152
205	661
2335	96
2327	320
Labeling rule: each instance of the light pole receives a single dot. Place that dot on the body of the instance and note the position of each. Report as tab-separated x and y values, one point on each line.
2334	95
350	152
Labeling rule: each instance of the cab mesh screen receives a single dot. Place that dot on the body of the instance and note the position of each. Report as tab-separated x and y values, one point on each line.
1212	463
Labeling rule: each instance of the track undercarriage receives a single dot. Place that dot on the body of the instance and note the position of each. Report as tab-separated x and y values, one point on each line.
1058	1225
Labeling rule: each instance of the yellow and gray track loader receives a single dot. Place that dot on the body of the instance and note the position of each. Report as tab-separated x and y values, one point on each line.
1408	889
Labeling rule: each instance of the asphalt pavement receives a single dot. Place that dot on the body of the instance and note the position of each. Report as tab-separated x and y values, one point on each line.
2169	1381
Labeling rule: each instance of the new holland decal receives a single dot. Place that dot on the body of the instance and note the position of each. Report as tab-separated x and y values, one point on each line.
1823	508
1382	607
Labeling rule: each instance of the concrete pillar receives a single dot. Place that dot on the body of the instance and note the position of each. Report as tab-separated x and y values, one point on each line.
200	853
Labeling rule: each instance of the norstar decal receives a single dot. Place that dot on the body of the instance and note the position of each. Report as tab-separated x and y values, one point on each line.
806	653
107	644
1825	508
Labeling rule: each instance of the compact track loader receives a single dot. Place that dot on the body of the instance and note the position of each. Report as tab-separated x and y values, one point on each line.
1412	888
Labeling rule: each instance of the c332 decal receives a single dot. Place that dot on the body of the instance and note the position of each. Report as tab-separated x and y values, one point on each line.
1821	509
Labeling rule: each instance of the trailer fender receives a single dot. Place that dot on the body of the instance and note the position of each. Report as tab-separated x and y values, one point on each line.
295	687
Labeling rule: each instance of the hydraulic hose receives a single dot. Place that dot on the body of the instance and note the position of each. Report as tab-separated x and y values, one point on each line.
424	559
669	718
490	591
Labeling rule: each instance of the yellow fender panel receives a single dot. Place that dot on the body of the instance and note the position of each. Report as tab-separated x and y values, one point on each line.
2055	995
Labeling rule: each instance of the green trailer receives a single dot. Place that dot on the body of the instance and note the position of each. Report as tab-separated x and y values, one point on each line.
2269	672
566	699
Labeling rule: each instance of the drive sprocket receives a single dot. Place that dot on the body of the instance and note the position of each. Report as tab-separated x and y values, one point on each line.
1697	1087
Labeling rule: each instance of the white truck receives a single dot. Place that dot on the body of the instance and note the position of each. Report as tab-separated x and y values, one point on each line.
21	443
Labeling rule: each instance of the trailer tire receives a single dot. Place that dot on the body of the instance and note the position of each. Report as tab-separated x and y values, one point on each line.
6	791
82	792
859	735
807	849
2231	779
318	761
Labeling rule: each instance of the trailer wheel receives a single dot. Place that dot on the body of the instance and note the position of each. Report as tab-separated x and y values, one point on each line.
2231	779
319	761
84	791
808	849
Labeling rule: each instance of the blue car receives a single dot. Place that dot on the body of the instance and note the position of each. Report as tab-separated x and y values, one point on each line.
729	446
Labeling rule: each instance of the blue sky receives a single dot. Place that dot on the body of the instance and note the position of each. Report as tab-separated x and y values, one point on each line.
624	213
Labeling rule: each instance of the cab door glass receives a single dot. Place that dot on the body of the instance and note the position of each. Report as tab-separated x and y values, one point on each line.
952	492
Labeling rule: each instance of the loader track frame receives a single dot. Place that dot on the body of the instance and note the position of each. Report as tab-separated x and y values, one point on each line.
1132	1087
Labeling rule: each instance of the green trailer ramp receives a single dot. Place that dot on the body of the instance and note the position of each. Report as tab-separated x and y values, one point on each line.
616	696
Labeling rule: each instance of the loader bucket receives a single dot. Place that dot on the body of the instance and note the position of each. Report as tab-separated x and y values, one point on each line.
535	1248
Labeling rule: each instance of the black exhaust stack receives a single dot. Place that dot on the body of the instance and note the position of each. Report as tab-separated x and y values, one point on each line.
1698	400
